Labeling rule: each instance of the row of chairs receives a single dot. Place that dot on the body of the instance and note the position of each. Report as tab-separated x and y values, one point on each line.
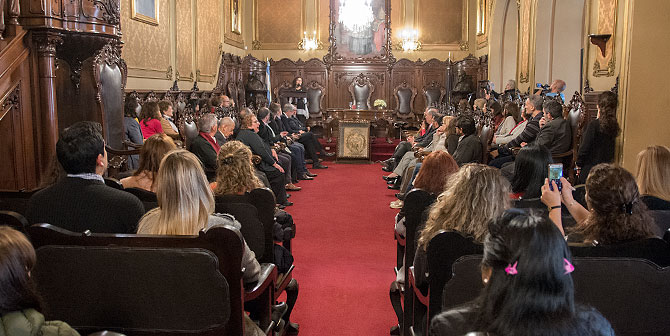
156	285
628	283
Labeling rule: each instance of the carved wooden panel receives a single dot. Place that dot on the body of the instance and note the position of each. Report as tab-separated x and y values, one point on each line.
91	16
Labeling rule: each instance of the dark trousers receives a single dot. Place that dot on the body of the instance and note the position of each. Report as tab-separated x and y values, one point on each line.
298	157
277	184
312	145
285	162
400	150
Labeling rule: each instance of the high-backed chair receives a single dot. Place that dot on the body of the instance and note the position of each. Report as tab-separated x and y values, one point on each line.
361	89
233	91
315	94
662	220
279	92
404	101
416	203
148	198
14	220
16	201
485	136
110	74
443	251
433	93
147	284
575	115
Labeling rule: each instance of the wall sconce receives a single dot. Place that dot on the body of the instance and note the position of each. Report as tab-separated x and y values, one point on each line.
409	40
308	44
600	40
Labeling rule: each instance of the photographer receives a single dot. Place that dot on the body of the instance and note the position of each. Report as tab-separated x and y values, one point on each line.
552	91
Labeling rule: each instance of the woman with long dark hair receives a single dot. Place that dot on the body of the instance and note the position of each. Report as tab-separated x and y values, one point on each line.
302	112
19	301
616	213
150	120
530	170
528	288
597	145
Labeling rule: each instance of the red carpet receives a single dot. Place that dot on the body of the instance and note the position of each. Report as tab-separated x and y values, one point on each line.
344	252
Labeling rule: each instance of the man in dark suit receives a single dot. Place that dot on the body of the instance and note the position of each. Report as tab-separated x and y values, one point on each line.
555	132
81	201
204	146
225	130
285	159
293	126
413	142
249	127
469	148
297	149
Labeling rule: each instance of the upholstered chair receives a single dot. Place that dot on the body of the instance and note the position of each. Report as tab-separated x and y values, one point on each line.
433	93
404	101
361	90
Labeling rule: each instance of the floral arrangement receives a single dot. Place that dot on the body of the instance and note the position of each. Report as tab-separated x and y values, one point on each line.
379	103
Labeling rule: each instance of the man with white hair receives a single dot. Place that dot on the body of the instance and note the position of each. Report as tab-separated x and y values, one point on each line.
204	146
225	130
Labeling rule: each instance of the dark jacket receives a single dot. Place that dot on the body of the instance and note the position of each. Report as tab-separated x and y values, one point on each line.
595	147
469	150
258	147
556	135
206	153
220	139
134	135
294	125
425	139
78	205
458	321
452	143
268	135
529	132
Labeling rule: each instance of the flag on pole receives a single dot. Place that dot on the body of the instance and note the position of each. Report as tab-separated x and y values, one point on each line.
267	80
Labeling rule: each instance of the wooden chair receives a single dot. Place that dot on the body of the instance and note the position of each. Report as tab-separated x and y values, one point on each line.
416	203
361	90
118	160
404	102
655	250
443	250
434	93
14	220
148	198
279	90
16	201
147	284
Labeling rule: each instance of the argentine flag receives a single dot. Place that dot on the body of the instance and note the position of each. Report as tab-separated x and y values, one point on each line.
267	80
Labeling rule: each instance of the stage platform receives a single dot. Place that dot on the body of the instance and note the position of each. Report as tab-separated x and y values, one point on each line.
380	149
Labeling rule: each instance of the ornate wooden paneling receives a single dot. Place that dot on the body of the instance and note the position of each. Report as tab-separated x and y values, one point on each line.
92	16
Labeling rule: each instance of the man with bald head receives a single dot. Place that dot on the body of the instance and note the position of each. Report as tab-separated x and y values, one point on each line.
225	130
204	146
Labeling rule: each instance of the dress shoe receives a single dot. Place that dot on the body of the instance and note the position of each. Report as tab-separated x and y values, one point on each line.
395	330
278	311
319	166
387	178
286	203
292	329
310	174
391	181
305	177
394	186
387	169
292	187
329	154
396	204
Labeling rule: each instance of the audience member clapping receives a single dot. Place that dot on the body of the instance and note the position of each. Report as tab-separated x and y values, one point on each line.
528	289
151	154
653	177
19	302
616	213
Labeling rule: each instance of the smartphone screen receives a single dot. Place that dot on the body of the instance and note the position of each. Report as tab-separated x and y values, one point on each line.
555	173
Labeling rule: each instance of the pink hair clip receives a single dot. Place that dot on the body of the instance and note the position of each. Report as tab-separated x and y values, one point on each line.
511	269
568	266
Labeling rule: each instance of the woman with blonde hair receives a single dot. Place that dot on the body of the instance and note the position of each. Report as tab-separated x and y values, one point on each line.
151	154
653	177
186	204
475	195
235	174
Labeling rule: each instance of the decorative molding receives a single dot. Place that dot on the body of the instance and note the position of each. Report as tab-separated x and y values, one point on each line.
605	65
256	45
599	71
464	45
75	73
11	100
111	10
110	54
46	43
168	73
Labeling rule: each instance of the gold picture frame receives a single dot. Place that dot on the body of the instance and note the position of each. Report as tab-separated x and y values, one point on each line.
144	11
235	17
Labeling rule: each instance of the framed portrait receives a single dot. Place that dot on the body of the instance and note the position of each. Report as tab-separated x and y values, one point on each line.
235	17
353	143
144	11
359	30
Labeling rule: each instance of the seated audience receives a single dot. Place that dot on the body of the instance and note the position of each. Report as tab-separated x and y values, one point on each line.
151	154
469	148
503	154
150	119
268	165
312	146
616	214
19	301
226	126
512	110
653	177
167	120
285	160
530	171
475	195
235	176
133	131
204	146
511	117
296	148
413	142
497	111
185	207
597	143
528	288
81	201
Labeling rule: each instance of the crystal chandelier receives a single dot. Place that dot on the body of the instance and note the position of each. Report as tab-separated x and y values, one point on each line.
308	44
356	15
409	40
